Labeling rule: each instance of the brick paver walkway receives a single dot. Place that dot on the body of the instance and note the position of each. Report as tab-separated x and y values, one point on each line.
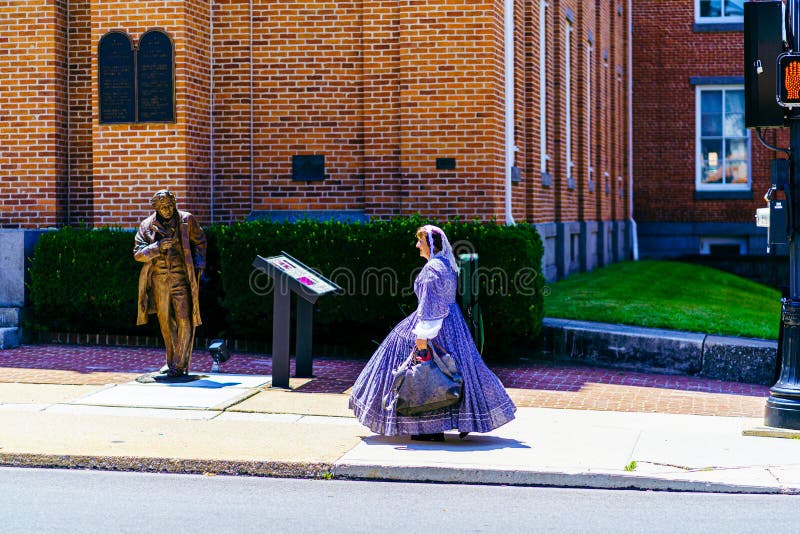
530	384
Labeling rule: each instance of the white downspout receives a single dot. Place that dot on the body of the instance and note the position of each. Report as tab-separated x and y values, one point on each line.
634	232
509	103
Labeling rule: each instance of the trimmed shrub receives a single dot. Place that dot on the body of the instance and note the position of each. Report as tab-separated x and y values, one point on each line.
86	280
375	264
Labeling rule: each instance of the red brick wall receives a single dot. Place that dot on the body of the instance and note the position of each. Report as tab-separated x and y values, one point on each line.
584	108
539	200
664	115
196	71
32	113
566	198
131	161
519	195
381	88
618	103
608	121
232	106
452	94
598	116
81	182
307	100
381	116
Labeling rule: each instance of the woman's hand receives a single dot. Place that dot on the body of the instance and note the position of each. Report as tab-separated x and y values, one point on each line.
421	353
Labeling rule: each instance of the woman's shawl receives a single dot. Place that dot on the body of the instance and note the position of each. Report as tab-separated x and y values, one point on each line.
435	287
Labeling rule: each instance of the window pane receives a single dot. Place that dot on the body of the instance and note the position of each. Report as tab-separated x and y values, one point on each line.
711	172
734	101
711	101
711	124
736	149
734	114
736	161
736	173
724	250
710	8
711	113
734	124
733	8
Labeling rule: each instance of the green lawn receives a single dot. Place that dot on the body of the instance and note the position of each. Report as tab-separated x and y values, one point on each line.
665	294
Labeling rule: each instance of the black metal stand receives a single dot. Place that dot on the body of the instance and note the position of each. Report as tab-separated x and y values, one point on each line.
282	307
303	342
291	276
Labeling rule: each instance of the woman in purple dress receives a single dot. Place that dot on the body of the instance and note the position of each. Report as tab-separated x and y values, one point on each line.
485	404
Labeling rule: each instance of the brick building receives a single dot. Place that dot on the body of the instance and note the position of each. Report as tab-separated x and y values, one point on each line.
700	175
498	110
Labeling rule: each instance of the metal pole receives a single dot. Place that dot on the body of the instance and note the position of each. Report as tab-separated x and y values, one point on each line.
783	405
303	358
282	305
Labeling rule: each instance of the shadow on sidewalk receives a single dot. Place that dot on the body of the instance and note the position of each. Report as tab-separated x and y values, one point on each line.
473	442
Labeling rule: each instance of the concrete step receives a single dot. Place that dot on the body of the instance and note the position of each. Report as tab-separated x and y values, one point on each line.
635	348
9	317
9	337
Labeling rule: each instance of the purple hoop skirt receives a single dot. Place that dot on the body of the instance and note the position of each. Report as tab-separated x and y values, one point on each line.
485	405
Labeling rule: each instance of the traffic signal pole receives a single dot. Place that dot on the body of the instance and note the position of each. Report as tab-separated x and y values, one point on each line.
783	405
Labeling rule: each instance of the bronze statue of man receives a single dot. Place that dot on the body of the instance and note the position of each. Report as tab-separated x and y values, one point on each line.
172	246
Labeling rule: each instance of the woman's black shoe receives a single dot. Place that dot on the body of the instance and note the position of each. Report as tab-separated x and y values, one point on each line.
439	436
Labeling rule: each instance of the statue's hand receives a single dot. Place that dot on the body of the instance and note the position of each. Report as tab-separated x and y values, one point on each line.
166	244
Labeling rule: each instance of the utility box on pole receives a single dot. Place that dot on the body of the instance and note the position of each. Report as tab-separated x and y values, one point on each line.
763	43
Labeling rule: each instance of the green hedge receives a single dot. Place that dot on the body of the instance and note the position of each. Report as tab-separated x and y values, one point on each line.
85	281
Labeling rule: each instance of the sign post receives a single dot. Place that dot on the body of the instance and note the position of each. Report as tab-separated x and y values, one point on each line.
292	276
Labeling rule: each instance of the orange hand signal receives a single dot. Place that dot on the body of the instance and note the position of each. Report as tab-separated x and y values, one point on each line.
791	80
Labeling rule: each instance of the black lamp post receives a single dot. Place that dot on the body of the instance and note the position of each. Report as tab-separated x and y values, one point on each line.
783	405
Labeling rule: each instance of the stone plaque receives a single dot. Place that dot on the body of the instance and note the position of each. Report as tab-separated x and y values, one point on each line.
155	70
115	81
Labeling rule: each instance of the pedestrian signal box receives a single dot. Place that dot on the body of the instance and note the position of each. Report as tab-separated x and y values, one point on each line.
789	80
763	43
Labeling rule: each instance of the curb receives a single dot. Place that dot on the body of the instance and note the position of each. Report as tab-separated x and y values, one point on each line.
542	478
731	359
169	465
431	474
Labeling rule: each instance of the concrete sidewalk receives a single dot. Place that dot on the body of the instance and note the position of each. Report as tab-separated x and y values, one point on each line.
238	424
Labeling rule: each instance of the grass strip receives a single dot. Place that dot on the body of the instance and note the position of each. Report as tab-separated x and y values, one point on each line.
668	294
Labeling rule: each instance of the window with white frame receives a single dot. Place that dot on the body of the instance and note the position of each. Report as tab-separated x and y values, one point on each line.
722	141
588	113
712	11
568	104
544	157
